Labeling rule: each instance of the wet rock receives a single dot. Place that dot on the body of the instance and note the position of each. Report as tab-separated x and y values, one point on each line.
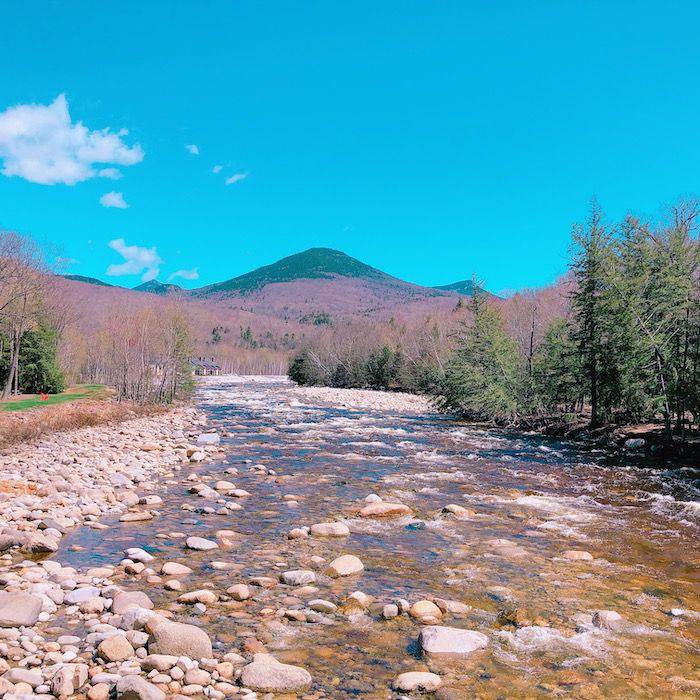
115	648
298	578
322	606
203	596
635	443
267	675
345	565
458	511
171	568
418	680
19	609
450	642
178	639
136	517
384	510
239	591
200	544
425	611
330	530
136	688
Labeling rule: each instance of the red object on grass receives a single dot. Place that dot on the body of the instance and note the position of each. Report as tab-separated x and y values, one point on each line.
43	396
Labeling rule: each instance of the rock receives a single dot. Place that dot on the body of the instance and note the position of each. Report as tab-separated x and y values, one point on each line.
425	610
635	443
23	675
208	439
418	680
330	530
450	642
115	648
383	509
68	679
458	511
345	565
136	517
203	596
239	591
577	555
267	675
172	568
200	544
322	606
19	609
179	639
607	619
298	578
99	691
158	662
390	611
131	599
136	688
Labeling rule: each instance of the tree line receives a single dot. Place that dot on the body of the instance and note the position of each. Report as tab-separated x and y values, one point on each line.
625	347
143	352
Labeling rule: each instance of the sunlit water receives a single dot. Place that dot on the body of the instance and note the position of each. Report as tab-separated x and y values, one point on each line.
641	525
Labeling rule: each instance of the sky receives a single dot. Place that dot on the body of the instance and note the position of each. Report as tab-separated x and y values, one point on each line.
193	142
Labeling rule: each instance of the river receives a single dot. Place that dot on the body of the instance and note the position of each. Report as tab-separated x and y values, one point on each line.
529	501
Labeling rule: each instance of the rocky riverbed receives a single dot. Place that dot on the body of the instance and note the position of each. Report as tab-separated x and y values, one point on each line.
285	542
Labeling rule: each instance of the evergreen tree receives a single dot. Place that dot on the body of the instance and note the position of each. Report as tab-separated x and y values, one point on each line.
590	269
482	379
38	364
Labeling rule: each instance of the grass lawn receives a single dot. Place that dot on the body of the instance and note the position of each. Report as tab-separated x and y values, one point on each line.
82	391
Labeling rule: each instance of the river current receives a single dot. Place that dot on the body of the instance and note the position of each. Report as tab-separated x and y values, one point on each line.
529	501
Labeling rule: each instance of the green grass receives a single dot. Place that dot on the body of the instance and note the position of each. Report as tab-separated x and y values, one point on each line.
82	391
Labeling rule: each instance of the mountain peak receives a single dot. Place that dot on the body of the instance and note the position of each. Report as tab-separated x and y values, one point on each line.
156	287
314	263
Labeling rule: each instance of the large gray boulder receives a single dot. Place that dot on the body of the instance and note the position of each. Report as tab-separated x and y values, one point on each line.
450	642
19	609
130	599
267	675
178	639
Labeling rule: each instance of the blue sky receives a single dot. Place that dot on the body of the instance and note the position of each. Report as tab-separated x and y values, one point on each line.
431	140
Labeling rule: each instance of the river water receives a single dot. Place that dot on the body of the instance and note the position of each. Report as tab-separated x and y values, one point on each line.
641	525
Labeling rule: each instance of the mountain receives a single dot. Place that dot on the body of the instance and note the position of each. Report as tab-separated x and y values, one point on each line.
87	280
156	287
465	287
314	263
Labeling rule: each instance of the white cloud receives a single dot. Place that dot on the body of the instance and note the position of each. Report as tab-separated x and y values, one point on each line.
137	260
193	149
41	143
113	199
192	274
217	169
237	177
110	173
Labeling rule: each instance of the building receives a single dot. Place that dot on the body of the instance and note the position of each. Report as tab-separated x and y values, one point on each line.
205	367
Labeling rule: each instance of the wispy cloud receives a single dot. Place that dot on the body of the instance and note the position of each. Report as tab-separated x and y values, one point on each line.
42	144
236	177
113	199
137	261
192	274
193	149
110	173
217	169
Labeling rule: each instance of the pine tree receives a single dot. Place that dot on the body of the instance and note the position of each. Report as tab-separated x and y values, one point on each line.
38	363
482	379
591	257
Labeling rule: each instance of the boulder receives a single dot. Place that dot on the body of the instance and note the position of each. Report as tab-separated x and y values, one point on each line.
19	609
68	679
172	568
607	619
450	642
330	530
267	675
178	639
418	680
345	565
384	510
299	577
425	610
